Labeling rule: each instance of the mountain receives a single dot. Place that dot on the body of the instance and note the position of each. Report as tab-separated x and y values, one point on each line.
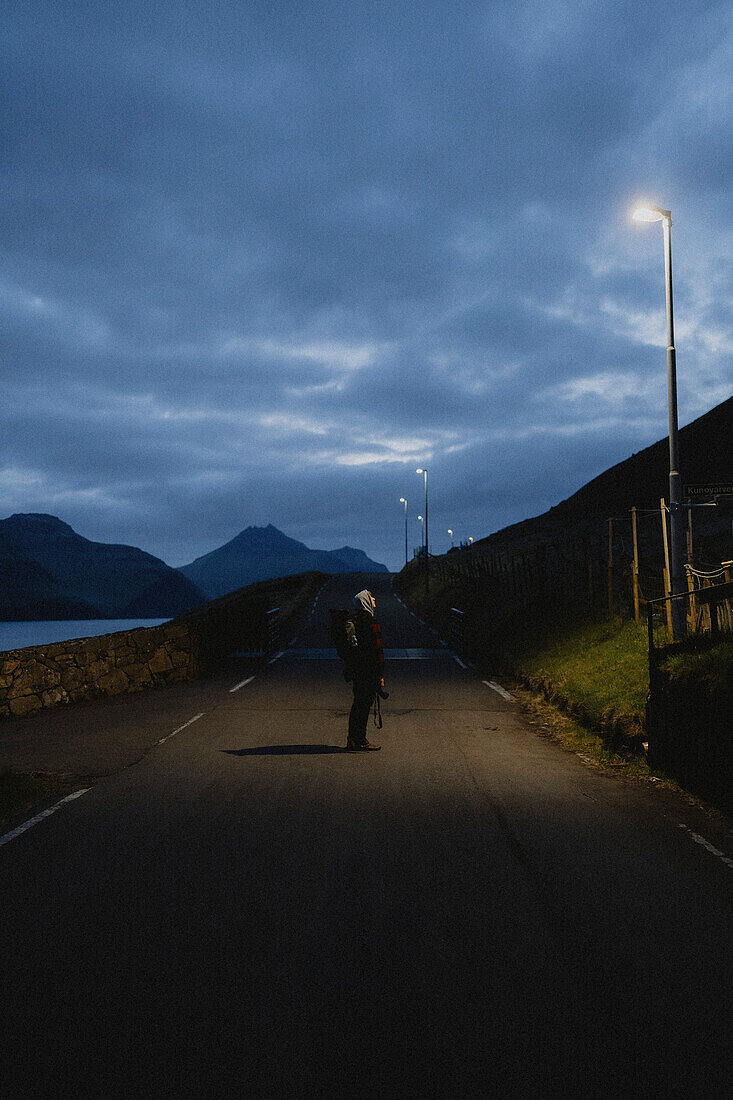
259	553
48	571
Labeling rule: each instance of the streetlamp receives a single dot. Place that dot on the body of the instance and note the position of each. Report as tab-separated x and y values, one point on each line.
403	501
425	475
451	538
422	534
677	552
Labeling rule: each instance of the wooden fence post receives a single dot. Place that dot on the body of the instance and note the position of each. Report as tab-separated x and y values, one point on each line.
692	613
636	565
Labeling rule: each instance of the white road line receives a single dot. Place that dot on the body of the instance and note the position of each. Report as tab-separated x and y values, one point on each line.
500	690
276	657
190	722
707	846
39	817
243	684
459	661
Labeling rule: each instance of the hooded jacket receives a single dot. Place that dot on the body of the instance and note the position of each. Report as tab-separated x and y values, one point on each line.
370	660
363	601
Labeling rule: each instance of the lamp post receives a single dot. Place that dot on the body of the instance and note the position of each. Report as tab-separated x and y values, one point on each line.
422	534
677	550
427	578
451	538
404	501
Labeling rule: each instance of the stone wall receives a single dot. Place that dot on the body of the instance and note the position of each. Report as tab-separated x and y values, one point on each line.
86	668
134	660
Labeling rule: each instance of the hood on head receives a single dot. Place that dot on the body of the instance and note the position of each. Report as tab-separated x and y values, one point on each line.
363	601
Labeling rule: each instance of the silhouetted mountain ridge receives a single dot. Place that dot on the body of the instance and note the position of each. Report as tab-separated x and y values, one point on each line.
261	553
706	454
48	571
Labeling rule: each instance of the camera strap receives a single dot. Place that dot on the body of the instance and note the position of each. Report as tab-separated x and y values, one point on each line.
377	712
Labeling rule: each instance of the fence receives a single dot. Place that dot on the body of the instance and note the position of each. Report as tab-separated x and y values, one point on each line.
617	565
707	609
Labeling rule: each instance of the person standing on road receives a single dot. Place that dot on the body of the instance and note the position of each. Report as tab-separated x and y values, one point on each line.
367	670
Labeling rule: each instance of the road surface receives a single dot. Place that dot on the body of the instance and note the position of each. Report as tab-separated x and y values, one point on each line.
240	907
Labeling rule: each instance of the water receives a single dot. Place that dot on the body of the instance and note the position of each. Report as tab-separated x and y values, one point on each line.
19	635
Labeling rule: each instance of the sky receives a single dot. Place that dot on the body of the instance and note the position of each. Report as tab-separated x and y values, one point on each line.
260	261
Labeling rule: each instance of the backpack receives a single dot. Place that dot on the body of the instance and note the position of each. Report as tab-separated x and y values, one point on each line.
343	634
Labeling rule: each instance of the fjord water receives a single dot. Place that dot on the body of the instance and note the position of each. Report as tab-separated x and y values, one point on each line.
19	635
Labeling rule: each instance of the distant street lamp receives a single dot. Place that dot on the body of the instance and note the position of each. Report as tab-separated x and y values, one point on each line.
677	550
451	538
404	501
427	576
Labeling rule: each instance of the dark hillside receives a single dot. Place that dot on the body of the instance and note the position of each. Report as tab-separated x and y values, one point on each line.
706	452
49	571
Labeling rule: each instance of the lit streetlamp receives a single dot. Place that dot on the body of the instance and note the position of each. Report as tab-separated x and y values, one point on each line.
404	501
451	538
677	550
427	578
422	534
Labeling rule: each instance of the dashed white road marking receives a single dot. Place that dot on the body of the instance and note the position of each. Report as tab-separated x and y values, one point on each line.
500	690
183	727
242	684
39	817
276	657
708	846
459	661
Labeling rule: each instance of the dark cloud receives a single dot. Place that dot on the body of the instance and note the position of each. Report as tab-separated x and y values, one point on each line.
258	264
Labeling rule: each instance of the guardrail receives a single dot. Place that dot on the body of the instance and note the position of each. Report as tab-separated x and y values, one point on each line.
272	619
457	633
707	611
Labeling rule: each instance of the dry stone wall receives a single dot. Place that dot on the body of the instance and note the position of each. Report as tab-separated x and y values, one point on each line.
133	660
87	668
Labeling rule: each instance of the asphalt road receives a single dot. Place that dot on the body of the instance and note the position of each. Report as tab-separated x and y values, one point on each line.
240	907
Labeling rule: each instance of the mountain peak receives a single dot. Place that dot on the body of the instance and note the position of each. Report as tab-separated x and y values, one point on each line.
269	537
258	553
38	523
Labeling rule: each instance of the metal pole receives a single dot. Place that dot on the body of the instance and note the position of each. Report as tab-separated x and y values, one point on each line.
424	472
427	567
676	534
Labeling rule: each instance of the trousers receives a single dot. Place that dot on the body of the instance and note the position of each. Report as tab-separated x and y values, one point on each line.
365	690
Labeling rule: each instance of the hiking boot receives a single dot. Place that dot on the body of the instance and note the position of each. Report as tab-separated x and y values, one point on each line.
362	746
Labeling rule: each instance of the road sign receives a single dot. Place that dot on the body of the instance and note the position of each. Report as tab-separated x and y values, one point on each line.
709	489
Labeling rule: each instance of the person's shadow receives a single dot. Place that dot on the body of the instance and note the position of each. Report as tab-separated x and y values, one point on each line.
286	750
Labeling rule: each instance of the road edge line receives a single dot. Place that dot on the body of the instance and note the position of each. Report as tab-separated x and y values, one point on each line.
183	727
707	846
20	829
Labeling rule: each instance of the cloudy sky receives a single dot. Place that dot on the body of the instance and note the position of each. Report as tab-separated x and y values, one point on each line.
259	261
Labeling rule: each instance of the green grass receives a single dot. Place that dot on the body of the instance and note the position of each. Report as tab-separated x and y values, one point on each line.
713	663
594	669
600	665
